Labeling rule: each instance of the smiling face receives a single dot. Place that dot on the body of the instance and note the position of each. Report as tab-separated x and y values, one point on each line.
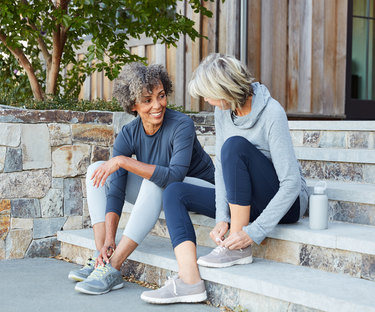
151	108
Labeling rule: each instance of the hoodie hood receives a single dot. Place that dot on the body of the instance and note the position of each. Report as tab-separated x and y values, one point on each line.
260	99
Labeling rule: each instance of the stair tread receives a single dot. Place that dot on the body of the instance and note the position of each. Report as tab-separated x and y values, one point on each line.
366	156
334	125
297	284
339	235
347	191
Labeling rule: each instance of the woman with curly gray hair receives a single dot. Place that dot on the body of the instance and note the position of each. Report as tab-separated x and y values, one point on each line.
166	149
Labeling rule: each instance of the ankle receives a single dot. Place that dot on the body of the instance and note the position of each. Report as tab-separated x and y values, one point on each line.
187	279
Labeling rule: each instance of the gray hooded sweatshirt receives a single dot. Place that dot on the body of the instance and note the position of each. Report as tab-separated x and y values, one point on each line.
266	127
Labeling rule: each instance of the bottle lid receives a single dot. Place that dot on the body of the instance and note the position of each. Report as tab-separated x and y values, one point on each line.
320	187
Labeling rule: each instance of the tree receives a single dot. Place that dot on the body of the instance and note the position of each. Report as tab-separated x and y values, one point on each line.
41	37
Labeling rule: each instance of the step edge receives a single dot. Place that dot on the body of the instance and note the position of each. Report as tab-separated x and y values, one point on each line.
260	286
359	156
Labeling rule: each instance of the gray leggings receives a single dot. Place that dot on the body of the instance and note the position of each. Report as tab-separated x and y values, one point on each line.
145	195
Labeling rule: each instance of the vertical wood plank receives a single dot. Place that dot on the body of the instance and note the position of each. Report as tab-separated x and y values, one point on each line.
317	78
233	28
329	87
266	43
107	85
171	53
93	84
279	50
304	90
82	91
160	54
209	28
222	35
293	56
150	54
179	85
342	15
192	59
254	38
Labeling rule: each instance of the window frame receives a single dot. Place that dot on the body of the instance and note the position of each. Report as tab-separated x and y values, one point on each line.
355	109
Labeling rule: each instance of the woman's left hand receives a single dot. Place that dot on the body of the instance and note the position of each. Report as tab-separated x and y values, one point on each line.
237	240
101	174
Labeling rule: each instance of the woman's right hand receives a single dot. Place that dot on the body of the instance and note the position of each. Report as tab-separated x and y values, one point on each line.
105	253
218	232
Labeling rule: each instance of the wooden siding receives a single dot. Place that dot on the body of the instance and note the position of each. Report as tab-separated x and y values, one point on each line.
297	48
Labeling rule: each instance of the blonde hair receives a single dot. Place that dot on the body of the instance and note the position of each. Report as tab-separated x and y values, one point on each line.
222	77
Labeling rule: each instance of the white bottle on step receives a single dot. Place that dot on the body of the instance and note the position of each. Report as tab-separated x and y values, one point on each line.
318	207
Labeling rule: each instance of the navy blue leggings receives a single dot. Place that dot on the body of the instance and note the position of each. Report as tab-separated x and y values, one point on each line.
250	179
178	199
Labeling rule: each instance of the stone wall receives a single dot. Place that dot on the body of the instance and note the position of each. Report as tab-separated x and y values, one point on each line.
44	156
43	160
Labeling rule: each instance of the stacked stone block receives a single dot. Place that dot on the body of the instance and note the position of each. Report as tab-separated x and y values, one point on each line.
44	156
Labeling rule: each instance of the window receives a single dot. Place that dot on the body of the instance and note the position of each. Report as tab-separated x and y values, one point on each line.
360	95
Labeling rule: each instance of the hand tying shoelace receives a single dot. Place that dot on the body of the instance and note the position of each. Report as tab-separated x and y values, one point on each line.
219	249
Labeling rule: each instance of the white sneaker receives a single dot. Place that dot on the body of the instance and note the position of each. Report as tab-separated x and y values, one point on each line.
175	290
222	257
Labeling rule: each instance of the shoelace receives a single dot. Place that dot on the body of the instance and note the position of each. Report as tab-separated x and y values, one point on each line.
171	280
99	272
219	249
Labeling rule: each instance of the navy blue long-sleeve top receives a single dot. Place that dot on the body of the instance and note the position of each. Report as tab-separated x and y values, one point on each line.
174	149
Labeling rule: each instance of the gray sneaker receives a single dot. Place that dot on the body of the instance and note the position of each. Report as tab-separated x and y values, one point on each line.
175	290
81	274
222	257
101	280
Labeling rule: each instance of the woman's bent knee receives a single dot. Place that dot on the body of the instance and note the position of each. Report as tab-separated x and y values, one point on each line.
171	194
92	168
232	146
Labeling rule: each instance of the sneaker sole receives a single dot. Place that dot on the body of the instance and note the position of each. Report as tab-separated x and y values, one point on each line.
89	292
246	260
75	278
187	299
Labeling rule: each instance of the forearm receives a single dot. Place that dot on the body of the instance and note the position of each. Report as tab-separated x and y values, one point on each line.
137	167
111	223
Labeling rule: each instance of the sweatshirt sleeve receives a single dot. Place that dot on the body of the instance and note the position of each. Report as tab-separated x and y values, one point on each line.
117	180
182	148
222	208
287	170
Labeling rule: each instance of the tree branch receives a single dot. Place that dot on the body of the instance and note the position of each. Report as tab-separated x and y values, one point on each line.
41	43
26	65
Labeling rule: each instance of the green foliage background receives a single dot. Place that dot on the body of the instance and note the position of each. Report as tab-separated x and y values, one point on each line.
108	24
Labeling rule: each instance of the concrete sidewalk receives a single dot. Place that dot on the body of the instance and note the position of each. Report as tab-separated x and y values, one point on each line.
41	284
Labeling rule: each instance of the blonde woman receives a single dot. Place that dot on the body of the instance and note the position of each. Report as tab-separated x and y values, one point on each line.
258	181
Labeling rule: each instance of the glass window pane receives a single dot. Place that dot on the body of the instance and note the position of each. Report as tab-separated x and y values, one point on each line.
360	7
363	59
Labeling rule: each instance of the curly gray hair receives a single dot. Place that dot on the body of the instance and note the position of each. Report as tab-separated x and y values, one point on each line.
134	78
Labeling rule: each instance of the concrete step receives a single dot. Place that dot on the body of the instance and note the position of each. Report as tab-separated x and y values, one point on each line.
343	248
349	201
261	286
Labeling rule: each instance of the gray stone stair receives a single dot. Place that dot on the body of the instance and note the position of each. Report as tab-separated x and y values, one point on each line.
261	286
296	269
343	248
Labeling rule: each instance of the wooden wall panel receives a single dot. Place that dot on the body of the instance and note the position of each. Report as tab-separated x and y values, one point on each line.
274	47
192	59
299	56
317	78
329	87
341	21
254	38
297	48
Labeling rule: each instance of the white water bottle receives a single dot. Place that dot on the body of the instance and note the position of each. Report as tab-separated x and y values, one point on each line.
318	207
